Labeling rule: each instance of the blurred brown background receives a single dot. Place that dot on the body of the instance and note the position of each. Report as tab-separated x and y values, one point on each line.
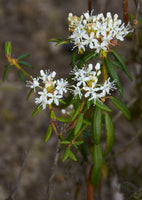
28	24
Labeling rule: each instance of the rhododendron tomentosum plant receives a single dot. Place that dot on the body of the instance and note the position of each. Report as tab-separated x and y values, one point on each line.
84	95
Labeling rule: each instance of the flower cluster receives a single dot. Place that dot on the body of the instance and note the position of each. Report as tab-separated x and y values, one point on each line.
96	31
51	91
86	83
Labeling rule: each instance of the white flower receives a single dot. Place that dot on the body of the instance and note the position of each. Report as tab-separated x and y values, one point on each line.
97	67
54	97
61	86
33	84
76	91
46	76
91	41
42	99
97	32
108	86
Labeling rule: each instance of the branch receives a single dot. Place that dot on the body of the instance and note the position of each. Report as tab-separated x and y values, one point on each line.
14	191
52	176
125	11
89	6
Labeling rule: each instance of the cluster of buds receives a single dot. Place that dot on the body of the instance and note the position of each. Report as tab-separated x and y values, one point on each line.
51	91
96	31
87	86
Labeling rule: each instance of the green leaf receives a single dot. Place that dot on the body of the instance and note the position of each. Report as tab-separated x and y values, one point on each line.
117	64
97	125
86	122
24	56
8	48
73	58
72	156
22	76
61	138
102	106
61	42
78	142
98	163
25	64
121	106
121	61
62	119
78	124
48	133
7	68
37	109
113	74
52	115
66	154
61	101
65	142
54	40
86	58
76	112
109	133
30	93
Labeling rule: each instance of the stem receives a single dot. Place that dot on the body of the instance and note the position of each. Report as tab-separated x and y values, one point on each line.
53	172
125	11
89	6
13	61
104	71
52	121
24	72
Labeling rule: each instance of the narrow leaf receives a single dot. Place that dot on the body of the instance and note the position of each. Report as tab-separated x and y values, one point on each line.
78	142
121	106
86	122
73	58
37	109
24	56
7	68
22	76
66	154
113	74
121	61
76	112
54	40
9	48
61	42
48	133
30	93
102	106
109	133
25	63
86	58
65	142
72	156
97	125
78	124
98	163
62	119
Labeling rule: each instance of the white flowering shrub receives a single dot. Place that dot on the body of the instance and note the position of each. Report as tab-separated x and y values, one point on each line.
82	97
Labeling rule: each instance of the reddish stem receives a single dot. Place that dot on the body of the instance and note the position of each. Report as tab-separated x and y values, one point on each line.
90	187
89	6
125	11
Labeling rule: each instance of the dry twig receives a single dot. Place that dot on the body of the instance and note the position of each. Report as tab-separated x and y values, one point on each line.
15	189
